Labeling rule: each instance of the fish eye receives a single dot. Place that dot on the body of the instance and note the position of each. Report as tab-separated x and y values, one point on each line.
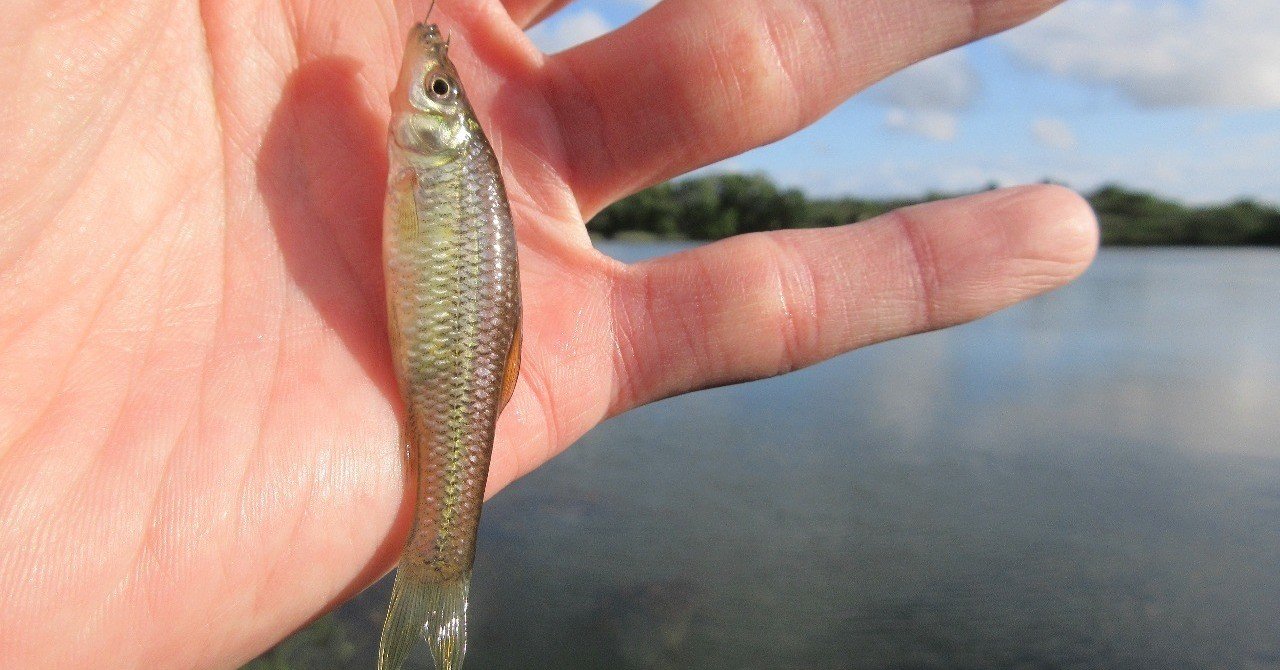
440	88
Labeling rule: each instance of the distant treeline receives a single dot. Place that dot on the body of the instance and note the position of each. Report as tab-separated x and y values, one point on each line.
709	208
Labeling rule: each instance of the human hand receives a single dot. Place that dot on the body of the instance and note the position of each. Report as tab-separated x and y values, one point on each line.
198	444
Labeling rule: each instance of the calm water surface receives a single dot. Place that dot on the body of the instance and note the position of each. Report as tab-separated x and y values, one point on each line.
1090	480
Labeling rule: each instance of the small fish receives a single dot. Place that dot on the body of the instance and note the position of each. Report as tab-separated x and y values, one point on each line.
453	313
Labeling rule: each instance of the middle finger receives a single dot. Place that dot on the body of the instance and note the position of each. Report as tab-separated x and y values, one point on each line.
692	82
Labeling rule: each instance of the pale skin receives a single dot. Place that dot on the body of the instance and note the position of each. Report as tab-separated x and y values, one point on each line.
197	417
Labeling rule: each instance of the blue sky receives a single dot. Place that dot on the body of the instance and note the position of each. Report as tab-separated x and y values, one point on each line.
1180	97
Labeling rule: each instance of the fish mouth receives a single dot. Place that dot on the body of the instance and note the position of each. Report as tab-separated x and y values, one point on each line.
428	35
427	32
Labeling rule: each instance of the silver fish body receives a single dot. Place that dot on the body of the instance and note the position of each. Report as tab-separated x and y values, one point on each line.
453	312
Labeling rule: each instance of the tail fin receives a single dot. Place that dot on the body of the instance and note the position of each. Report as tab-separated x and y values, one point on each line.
435	610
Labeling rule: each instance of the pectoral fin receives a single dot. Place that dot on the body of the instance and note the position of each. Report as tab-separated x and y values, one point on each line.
512	370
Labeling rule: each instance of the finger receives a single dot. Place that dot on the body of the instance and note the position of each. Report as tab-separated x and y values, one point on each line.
525	13
692	82
763	304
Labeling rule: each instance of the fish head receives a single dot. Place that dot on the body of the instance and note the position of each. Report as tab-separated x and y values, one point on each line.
430	114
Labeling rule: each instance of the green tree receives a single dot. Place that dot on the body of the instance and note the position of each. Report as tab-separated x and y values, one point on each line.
713	207
1134	217
1241	222
652	210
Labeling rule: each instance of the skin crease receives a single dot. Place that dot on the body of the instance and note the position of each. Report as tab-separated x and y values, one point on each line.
197	417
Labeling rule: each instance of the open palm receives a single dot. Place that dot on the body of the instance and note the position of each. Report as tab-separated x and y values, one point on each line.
197	418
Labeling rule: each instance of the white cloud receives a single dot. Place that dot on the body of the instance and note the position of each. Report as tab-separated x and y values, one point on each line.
924	98
1225	53
643	4
940	126
1053	133
945	83
569	30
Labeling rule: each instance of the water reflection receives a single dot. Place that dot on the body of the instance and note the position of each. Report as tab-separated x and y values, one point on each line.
1090	480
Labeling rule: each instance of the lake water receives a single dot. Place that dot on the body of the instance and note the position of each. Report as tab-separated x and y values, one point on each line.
1089	480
